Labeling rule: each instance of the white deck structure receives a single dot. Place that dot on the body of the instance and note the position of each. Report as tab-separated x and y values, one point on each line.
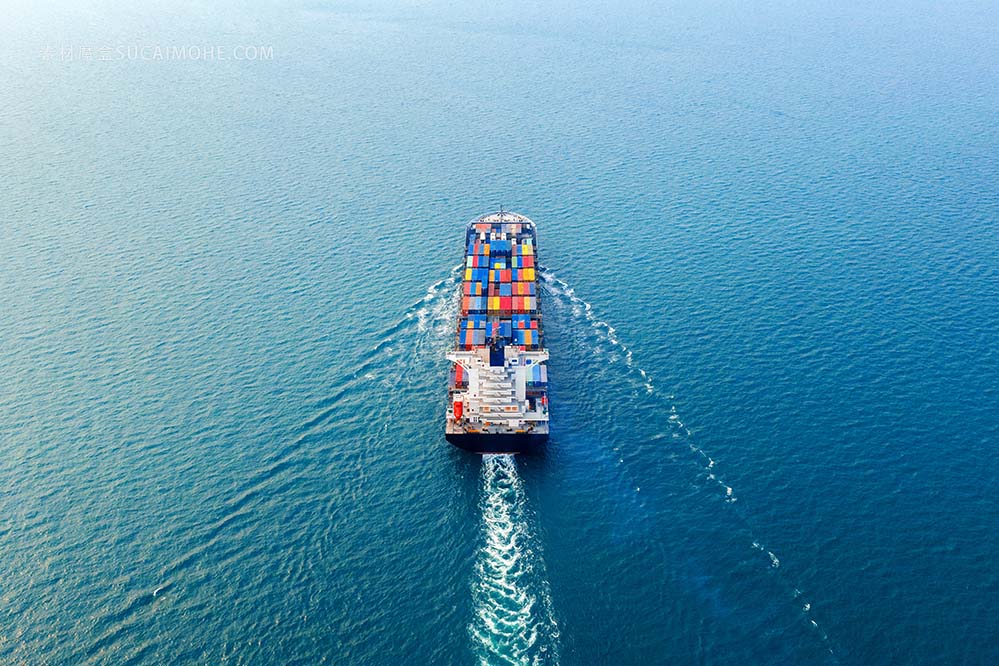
496	400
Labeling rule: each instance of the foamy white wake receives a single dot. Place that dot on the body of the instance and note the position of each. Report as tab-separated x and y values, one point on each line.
437	311
423	330
607	344
580	308
513	622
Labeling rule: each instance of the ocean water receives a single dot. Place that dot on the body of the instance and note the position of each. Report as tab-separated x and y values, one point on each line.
769	233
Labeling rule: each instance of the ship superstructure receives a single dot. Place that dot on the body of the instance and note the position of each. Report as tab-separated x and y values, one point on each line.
498	392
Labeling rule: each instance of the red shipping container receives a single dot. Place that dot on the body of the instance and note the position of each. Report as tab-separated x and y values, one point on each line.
527	262
506	303
534	323
505	275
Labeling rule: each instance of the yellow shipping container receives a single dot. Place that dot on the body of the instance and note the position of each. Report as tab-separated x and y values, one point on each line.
494	303
468	274
528	274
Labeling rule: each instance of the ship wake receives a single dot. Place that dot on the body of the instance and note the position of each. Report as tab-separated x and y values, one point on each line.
605	343
513	621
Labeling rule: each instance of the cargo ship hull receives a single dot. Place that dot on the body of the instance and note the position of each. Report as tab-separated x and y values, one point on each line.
498	443
498	389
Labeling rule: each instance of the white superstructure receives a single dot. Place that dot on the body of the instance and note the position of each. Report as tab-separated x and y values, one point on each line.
496	400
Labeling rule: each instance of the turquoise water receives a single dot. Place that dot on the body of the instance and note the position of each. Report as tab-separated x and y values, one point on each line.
769	234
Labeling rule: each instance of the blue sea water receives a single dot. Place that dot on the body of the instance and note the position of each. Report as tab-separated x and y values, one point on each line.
770	291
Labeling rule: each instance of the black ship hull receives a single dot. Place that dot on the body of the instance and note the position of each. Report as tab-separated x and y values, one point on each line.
499	442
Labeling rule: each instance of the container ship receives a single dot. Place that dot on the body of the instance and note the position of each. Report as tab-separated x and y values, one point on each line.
498	389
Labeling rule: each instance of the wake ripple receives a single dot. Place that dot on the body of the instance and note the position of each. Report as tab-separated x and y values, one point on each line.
513	623
580	308
422	328
616	350
439	306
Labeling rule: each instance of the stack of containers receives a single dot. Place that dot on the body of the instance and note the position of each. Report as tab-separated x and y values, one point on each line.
459	379
472	337
500	281
473	321
525	336
537	376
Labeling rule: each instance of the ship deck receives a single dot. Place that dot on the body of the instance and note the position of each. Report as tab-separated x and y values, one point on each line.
498	385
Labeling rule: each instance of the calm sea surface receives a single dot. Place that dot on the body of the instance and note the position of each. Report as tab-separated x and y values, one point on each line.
771	298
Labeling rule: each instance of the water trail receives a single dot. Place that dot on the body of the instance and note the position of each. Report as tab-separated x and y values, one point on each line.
677	430
432	312
513	622
422	328
580	308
